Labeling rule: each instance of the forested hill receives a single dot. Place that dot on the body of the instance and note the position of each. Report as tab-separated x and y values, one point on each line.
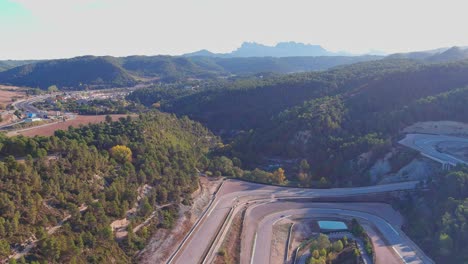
10	64
437	219
327	118
80	72
435	56
69	73
250	103
80	181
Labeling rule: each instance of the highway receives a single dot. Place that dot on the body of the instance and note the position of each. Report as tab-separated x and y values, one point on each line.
234	193
269	213
426	145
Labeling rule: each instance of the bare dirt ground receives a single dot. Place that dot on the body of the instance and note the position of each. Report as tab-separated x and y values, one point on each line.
164	242
303	229
418	169
439	127
7	118
7	93
278	242
384	254
230	249
49	129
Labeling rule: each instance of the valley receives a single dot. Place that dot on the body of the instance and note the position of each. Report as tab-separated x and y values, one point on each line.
117	171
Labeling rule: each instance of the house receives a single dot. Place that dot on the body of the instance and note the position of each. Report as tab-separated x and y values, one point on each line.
32	119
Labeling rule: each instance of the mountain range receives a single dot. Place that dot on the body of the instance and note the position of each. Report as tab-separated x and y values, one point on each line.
107	71
282	49
250	59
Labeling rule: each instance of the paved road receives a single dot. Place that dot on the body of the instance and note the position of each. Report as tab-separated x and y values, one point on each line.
426	144
234	192
27	105
272	212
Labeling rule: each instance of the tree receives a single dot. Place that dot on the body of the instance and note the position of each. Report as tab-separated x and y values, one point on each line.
338	246
315	254
445	244
323	182
345	240
322	242
52	89
4	248
278	176
304	166
121	153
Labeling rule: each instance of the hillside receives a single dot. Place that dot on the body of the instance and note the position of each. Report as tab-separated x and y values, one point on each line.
282	49
10	64
327	118
168	68
69	73
70	187
77	73
435	56
255	65
250	103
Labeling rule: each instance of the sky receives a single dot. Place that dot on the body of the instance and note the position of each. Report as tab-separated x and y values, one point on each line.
45	29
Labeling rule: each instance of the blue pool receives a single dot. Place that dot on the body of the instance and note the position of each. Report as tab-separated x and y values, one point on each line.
332	225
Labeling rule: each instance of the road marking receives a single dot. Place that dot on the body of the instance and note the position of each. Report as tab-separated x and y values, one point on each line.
253	250
398	234
403	259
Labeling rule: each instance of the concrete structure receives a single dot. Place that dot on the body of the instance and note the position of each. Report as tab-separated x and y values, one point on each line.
34	119
426	145
266	203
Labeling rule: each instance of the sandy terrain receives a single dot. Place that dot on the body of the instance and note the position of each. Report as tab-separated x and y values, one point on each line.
49	129
439	127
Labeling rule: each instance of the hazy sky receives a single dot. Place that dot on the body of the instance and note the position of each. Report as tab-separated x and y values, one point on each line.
67	28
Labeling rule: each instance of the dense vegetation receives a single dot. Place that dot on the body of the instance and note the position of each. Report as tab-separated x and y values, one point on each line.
438	218
70	187
92	107
327	118
317	129
341	251
77	73
90	71
10	64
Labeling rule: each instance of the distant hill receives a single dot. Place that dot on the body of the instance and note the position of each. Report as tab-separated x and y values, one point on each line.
170	68
437	55
10	64
253	65
282	49
328	117
76	72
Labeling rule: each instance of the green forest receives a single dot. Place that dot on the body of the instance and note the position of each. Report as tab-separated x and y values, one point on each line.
439	217
60	194
79	181
327	118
